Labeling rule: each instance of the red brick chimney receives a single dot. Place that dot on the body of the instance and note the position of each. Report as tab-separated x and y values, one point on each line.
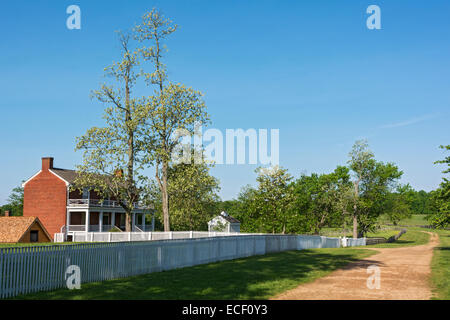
47	163
7	213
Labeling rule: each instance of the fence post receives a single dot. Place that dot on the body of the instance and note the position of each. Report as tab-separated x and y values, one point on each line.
150	235
171	235
129	236
191	234
344	242
109	236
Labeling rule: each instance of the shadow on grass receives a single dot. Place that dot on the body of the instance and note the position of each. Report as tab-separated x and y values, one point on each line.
257	277
403	242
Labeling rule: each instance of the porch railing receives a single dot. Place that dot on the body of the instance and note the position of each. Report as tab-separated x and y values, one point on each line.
82	228
98	203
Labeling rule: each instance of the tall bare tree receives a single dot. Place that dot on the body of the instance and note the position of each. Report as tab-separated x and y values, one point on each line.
110	158
171	107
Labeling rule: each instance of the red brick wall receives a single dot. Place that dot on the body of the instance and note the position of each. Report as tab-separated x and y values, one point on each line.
45	197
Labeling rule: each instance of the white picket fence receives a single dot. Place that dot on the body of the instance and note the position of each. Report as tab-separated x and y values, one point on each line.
142	236
352	242
41	268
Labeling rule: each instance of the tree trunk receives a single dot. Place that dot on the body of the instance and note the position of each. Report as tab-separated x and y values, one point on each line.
130	164
165	197
128	222
355	210
344	227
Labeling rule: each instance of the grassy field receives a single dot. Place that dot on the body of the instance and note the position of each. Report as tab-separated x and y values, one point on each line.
385	232
257	277
440	267
410	238
9	245
415	220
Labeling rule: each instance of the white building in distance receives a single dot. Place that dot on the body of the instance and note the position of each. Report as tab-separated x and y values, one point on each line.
224	223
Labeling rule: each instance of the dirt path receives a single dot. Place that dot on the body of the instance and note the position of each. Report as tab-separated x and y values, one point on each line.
404	274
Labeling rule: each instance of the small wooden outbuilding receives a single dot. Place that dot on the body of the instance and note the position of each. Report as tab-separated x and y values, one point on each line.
22	230
224	223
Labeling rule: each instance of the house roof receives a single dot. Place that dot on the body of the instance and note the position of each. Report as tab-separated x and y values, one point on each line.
70	176
229	218
66	174
12	229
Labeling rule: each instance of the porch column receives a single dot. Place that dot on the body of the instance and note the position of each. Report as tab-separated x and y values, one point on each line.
100	221
87	218
143	221
67	220
133	221
113	219
153	221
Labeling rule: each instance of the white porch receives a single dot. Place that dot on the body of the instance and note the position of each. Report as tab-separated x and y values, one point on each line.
94	220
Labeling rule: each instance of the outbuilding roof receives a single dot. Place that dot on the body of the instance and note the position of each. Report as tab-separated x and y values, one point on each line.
12	229
229	218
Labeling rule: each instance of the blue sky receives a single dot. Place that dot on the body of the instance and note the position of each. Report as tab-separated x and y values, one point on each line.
311	69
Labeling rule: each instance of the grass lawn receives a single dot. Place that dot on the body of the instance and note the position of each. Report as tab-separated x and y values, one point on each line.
415	220
9	245
385	232
257	277
440	267
410	238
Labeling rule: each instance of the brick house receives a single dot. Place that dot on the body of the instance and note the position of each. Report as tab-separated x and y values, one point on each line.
48	195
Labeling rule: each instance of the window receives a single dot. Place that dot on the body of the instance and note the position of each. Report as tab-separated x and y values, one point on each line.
34	236
105	219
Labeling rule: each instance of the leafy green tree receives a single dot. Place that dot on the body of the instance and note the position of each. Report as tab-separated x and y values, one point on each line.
173	108
399	203
440	215
245	209
421	202
267	208
360	162
111	153
192	193
232	207
14	202
446	159
372	183
318	198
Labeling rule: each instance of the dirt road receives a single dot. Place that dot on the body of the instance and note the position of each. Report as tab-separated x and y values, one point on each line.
404	275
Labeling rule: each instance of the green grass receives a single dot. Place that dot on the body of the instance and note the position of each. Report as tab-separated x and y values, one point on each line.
414	220
385	232
9	245
410	238
440	267
257	277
